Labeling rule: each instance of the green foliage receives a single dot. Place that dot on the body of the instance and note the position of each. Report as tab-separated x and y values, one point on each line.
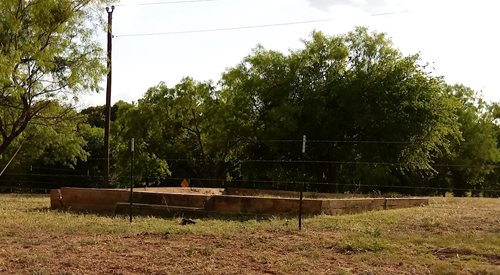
189	134
391	125
52	151
476	154
132	123
47	53
60	140
95	116
351	87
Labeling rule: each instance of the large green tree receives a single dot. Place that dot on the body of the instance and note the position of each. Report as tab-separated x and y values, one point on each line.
179	125
352	88
47	54
475	155
139	123
375	120
49	150
186	126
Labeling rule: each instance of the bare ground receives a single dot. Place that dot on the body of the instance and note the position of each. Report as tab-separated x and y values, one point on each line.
453	236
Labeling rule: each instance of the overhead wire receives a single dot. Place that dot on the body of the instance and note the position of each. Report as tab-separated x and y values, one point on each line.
245	27
163	3
225	29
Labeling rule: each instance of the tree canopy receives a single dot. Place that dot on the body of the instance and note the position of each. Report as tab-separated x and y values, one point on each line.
352	88
48	55
375	120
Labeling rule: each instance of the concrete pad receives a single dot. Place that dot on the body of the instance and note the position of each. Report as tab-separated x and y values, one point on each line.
232	191
187	200
106	200
258	205
56	199
92	199
183	190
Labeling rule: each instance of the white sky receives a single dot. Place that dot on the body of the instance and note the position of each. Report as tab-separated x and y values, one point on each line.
460	38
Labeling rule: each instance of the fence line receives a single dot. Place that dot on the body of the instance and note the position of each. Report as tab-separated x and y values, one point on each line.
226	182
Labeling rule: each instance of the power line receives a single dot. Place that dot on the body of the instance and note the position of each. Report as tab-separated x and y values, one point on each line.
163	3
226	29
246	27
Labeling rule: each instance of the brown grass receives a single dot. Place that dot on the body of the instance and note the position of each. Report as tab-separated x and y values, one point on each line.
450	236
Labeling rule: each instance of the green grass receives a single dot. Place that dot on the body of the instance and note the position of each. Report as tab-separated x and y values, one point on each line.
450	236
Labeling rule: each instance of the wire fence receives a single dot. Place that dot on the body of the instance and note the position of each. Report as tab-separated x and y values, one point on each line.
37	182
288	172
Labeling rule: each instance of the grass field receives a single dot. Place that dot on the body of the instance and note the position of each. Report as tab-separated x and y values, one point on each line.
450	236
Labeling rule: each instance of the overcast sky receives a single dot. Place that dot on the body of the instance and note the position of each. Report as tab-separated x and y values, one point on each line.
459	38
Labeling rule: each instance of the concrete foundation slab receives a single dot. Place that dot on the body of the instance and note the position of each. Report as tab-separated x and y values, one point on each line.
116	200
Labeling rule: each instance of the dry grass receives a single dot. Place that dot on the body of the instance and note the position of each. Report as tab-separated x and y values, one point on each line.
450	236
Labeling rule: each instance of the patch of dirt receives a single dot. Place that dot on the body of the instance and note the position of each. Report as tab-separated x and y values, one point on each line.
259	252
41	243
448	253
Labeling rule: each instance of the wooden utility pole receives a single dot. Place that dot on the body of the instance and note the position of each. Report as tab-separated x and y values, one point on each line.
107	108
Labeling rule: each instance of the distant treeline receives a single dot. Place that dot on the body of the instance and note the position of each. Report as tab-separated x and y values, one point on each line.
375	120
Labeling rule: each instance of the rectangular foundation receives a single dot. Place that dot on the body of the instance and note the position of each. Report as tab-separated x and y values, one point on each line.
106	200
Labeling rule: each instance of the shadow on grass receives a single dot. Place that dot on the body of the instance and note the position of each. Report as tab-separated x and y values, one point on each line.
205	215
